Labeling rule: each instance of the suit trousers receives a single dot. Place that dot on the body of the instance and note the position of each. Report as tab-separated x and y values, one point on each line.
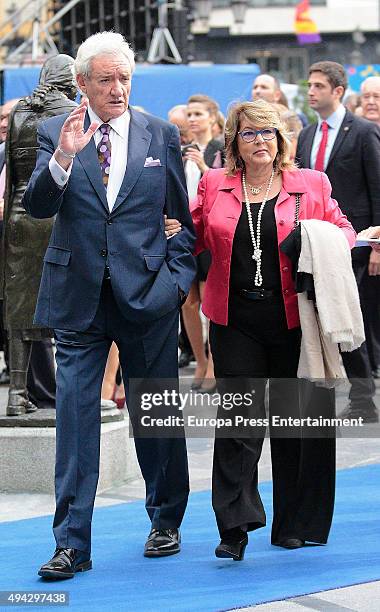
357	363
147	350
370	300
254	346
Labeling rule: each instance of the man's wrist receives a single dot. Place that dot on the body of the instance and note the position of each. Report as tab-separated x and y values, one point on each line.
63	160
65	153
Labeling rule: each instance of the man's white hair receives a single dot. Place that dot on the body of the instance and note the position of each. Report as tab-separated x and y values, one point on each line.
101	43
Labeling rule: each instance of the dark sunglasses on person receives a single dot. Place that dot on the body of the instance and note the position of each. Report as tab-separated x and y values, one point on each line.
249	135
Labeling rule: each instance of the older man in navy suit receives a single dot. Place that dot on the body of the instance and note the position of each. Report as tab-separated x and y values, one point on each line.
109	174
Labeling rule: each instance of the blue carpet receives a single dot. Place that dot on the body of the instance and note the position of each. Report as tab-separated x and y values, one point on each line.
195	580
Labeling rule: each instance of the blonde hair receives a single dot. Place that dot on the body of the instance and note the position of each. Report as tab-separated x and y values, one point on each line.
261	114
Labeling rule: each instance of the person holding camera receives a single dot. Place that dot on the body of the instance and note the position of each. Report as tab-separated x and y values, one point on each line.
202	153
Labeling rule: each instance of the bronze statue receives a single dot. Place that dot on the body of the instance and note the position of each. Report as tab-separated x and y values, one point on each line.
25	239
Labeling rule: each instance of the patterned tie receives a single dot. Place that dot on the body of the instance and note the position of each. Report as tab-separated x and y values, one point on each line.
104	152
320	160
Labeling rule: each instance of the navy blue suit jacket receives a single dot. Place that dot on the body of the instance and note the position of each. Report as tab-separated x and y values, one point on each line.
353	168
146	269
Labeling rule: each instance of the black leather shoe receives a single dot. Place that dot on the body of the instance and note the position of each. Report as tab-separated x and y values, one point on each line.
291	543
64	563
367	411
162	543
232	545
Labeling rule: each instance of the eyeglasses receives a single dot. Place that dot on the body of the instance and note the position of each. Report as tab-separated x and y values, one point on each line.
250	135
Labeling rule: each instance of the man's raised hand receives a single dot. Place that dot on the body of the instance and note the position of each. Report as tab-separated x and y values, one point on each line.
73	138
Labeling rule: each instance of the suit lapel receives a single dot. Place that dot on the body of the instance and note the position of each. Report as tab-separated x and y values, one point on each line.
343	131
232	185
88	157
139	139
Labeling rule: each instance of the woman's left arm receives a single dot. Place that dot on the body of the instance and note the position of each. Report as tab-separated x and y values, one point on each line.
333	214
196	210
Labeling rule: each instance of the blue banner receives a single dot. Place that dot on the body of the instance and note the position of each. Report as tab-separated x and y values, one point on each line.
357	74
158	88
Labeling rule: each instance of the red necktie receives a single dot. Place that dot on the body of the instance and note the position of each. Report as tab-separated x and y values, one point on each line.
320	160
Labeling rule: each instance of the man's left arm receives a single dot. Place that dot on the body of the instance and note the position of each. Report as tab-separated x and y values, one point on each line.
371	165
180	247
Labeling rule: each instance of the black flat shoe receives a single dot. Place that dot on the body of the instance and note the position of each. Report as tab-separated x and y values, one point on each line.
65	563
232	545
162	543
355	410
291	543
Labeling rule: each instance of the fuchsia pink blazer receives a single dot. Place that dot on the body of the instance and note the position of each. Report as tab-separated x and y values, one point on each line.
216	212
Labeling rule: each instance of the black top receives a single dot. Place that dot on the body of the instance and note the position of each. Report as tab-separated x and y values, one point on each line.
243	267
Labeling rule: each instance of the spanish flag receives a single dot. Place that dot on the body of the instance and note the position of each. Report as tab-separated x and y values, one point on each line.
304	26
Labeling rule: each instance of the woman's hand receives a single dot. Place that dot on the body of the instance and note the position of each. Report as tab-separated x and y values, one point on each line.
197	157
172	227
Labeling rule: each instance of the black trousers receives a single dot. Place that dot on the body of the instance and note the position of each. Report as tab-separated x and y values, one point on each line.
370	301
357	363
255	346
41	374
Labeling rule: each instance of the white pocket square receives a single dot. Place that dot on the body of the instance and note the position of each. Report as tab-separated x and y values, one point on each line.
150	162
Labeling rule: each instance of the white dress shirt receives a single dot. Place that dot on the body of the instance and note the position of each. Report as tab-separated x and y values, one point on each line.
119	152
334	121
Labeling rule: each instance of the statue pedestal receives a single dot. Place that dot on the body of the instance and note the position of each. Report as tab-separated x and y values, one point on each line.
27	454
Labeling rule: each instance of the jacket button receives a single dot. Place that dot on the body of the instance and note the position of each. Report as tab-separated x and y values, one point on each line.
282	222
285	269
109	221
103	252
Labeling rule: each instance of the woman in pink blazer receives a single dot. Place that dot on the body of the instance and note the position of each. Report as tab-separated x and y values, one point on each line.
241	214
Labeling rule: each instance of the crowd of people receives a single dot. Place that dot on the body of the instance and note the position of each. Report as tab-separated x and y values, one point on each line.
273	202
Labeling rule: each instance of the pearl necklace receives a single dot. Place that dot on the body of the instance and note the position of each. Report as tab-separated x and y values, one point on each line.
256	241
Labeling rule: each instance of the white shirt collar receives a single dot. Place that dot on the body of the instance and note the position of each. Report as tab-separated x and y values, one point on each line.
335	119
119	125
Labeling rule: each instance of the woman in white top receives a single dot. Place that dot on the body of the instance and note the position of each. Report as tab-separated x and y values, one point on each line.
205	153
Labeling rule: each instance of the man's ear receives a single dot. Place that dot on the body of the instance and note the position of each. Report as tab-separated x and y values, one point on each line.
339	91
81	82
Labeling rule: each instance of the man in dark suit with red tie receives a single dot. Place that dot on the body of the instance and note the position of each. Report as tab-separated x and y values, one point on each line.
347	149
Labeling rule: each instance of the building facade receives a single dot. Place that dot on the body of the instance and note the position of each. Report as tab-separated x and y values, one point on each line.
214	31
349	31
